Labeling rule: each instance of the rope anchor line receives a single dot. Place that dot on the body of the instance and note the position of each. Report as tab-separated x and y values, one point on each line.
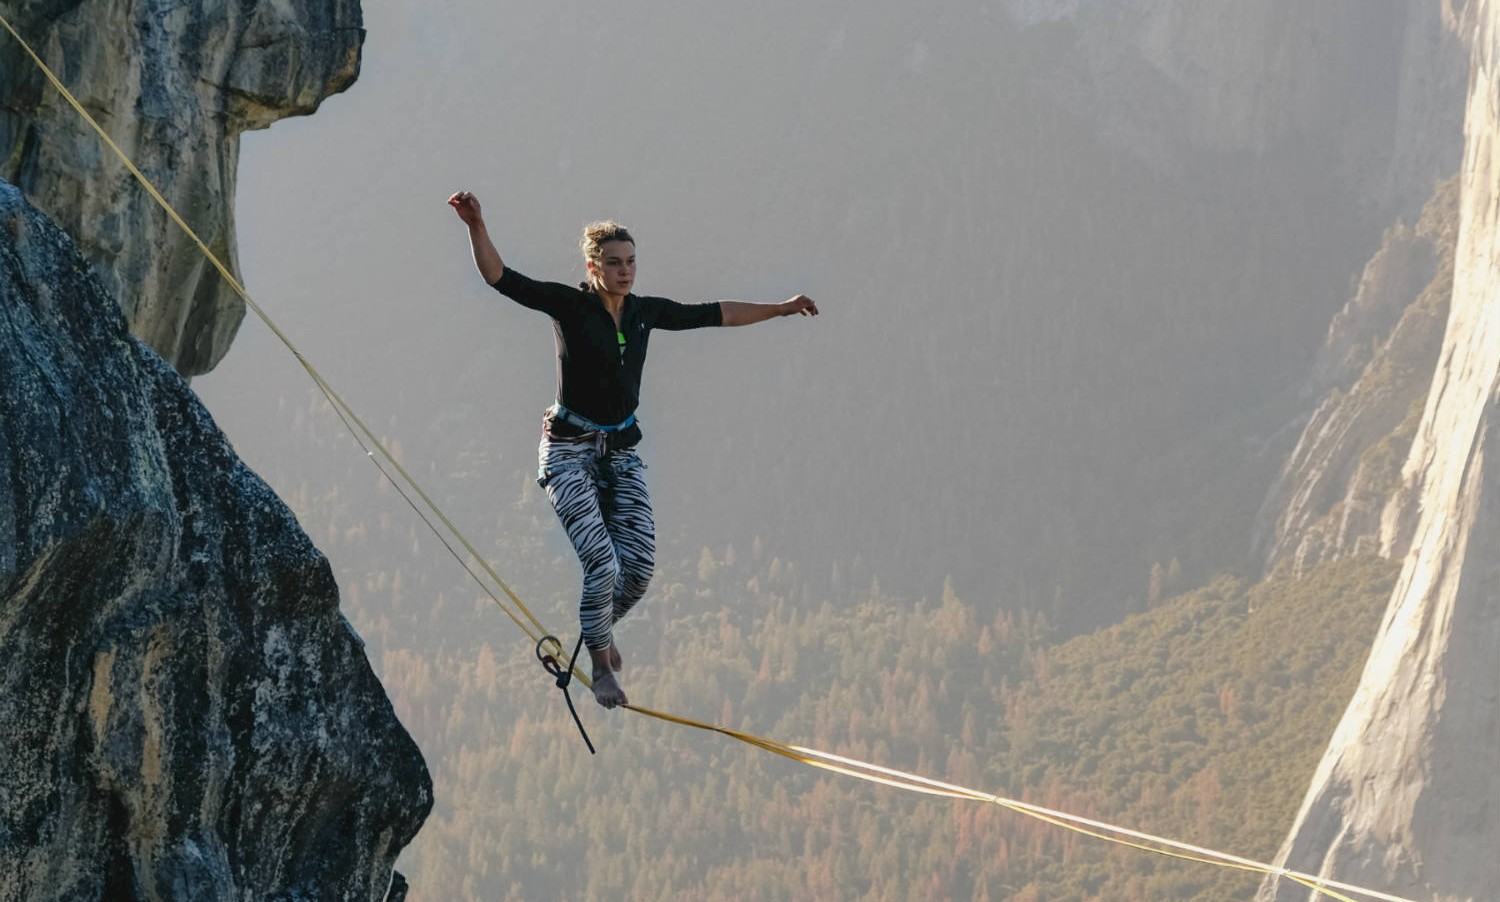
533	628
564	676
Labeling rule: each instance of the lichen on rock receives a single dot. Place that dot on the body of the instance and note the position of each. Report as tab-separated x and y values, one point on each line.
174	85
188	715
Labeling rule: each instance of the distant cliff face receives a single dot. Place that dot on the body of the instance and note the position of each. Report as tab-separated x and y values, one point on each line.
174	85
1407	797
1128	238
1342	492
1302	86
1394	458
186	714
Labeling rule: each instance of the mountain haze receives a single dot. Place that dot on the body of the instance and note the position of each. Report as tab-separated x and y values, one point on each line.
1053	352
1157	359
1077	264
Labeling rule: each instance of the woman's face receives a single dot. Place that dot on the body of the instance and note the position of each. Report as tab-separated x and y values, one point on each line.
614	271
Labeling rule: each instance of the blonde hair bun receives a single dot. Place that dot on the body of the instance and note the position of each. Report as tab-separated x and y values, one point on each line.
598	234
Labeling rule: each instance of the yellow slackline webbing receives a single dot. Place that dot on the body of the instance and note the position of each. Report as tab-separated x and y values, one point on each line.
1123	836
852	767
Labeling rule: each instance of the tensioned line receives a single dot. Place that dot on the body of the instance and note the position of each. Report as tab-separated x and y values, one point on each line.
523	617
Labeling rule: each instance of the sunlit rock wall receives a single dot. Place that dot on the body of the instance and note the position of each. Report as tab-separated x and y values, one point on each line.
186	714
174	85
1342	491
1407	796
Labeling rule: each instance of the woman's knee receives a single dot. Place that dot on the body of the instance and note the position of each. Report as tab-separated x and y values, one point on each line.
601	572
636	572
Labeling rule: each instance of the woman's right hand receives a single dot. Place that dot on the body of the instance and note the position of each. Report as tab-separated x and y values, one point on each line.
488	260
466	205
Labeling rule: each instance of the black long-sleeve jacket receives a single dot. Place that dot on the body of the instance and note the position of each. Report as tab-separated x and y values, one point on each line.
599	368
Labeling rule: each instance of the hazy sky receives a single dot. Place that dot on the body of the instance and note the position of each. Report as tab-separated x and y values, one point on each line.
1060	328
1048	309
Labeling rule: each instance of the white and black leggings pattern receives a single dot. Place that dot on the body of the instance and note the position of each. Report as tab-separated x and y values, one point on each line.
604	507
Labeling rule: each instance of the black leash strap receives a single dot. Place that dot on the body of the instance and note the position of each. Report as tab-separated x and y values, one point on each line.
563	676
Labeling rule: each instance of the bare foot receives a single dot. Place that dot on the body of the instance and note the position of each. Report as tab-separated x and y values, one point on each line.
607	691
615	662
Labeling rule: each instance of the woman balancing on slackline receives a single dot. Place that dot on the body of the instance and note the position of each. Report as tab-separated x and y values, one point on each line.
587	459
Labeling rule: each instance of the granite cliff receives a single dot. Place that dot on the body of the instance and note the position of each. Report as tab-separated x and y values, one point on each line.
174	85
1341	491
1404	391
1406	796
187	714
1403	395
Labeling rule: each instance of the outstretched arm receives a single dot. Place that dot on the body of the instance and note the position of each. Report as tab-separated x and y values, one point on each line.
744	313
491	267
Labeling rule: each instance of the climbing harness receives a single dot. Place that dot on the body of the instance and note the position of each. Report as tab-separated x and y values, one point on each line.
863	770
557	411
601	437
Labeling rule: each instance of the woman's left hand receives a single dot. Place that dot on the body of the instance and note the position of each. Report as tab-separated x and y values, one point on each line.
800	304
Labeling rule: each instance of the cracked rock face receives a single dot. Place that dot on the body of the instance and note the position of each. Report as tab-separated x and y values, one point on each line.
187	715
174	85
1407	797
1341	492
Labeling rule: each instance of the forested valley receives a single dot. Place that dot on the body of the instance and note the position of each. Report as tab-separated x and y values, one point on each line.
1199	718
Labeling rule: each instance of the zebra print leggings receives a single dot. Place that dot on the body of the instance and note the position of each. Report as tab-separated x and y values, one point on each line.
602	502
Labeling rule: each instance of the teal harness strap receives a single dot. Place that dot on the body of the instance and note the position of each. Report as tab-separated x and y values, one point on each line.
582	422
